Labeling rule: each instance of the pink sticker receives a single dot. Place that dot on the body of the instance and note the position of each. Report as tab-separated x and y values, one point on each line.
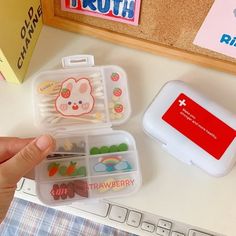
218	30
125	11
1	76
75	97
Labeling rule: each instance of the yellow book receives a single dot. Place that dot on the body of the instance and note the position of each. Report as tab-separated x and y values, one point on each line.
21	23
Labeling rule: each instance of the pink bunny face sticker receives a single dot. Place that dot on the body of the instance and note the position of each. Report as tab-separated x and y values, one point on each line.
75	97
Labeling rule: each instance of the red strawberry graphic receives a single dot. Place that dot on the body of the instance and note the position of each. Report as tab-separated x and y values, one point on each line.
71	190
81	188
118	108
115	76
59	191
71	168
65	93
63	191
117	92
53	169
54	191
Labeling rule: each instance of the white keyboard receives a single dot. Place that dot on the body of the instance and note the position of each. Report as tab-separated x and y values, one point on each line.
119	216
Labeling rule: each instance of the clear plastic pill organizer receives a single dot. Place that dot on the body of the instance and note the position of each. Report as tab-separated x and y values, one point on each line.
78	105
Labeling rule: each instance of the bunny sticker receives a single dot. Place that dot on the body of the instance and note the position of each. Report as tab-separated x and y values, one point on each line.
75	97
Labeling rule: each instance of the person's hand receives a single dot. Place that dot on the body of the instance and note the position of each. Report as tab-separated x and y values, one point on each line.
18	157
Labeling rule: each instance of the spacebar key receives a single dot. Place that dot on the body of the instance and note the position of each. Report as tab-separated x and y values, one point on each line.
197	233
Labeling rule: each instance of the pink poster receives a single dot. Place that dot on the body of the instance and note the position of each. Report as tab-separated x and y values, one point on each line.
125	11
218	31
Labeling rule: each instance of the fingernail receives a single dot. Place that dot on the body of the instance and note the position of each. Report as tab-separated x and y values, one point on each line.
44	142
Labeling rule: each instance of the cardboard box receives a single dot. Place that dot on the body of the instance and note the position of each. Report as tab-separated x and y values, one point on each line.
21	23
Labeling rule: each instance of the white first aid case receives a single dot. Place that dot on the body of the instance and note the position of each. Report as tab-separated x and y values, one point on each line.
192	128
78	105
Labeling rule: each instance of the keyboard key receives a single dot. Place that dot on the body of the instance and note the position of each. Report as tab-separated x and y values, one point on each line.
118	214
100	209
29	187
164	224
177	234
162	232
197	233
147	227
20	184
134	218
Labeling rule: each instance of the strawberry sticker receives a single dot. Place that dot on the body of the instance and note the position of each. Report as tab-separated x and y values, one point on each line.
115	76
65	93
55	192
59	191
75	98
117	92
118	108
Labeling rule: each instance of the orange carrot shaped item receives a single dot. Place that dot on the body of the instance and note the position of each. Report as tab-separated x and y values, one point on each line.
71	168
53	168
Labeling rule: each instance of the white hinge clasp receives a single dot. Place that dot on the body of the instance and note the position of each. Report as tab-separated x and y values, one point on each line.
78	61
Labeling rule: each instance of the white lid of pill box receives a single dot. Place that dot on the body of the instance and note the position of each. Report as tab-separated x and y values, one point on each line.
110	77
179	145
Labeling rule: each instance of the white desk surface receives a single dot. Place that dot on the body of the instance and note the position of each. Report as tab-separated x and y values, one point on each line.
170	188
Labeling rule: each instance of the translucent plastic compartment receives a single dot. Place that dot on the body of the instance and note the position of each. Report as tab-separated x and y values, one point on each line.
112	185
58	169
81	96
117	161
114	158
68	97
112	163
118	141
78	106
59	192
117	94
76	145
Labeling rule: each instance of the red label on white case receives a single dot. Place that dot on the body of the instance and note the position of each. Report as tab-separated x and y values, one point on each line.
199	125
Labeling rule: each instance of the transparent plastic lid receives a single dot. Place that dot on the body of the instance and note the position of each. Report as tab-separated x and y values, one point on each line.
81	96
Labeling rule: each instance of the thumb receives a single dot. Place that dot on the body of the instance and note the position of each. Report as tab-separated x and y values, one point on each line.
31	155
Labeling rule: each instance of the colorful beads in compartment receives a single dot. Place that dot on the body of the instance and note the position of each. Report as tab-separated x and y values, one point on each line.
65	170
71	146
122	147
